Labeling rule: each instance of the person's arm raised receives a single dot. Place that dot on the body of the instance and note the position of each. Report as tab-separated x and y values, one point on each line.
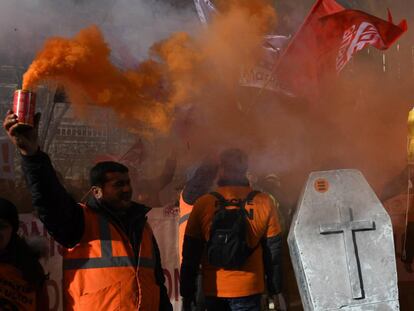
58	211
23	137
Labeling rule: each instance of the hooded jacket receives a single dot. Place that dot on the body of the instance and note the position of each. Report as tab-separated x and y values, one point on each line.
263	234
66	222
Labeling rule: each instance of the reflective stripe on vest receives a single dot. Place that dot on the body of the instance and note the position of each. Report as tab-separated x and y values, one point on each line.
183	218
107	260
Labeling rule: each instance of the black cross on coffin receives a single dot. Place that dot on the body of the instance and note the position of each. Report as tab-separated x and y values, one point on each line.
348	227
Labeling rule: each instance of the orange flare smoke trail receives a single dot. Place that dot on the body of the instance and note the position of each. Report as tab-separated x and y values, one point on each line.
185	69
82	65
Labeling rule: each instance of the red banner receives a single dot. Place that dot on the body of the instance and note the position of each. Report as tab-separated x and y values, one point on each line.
326	42
353	30
298	66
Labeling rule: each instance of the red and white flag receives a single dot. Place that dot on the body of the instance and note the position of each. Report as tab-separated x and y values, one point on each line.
356	30
325	43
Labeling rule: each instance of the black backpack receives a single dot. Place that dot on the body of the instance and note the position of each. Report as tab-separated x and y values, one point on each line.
227	246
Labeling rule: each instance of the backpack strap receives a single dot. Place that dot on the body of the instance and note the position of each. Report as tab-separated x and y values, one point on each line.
248	201
221	201
250	197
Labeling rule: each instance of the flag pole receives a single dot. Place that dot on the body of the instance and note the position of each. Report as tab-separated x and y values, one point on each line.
277	62
259	93
271	75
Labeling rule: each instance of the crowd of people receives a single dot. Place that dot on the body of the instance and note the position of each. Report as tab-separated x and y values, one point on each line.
230	238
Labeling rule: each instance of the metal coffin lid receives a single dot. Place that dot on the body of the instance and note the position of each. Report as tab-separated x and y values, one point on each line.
341	245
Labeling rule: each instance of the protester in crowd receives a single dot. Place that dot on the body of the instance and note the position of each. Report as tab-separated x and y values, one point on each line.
22	279
271	183
148	189
235	234
111	260
197	185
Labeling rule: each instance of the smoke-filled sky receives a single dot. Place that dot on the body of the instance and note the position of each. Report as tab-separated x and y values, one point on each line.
359	122
130	26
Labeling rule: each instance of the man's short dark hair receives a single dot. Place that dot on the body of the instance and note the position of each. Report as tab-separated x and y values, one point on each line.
97	174
234	162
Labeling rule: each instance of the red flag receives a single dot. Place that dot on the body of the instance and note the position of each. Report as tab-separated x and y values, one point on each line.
326	41
297	67
353	30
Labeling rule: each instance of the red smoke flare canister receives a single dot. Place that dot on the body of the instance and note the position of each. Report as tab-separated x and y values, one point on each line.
24	106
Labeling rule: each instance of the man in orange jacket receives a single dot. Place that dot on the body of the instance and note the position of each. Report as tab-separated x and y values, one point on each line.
111	259
233	288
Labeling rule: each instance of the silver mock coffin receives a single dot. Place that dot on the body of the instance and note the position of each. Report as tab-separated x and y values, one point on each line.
341	245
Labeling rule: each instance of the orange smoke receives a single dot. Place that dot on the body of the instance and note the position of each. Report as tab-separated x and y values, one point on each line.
181	69
82	65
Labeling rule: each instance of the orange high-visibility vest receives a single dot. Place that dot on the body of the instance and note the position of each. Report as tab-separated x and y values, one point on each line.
185	211
15	292
103	273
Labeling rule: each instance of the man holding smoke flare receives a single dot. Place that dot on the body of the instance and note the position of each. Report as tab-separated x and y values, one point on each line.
111	260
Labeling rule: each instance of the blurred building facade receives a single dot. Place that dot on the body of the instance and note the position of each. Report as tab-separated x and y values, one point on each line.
73	142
